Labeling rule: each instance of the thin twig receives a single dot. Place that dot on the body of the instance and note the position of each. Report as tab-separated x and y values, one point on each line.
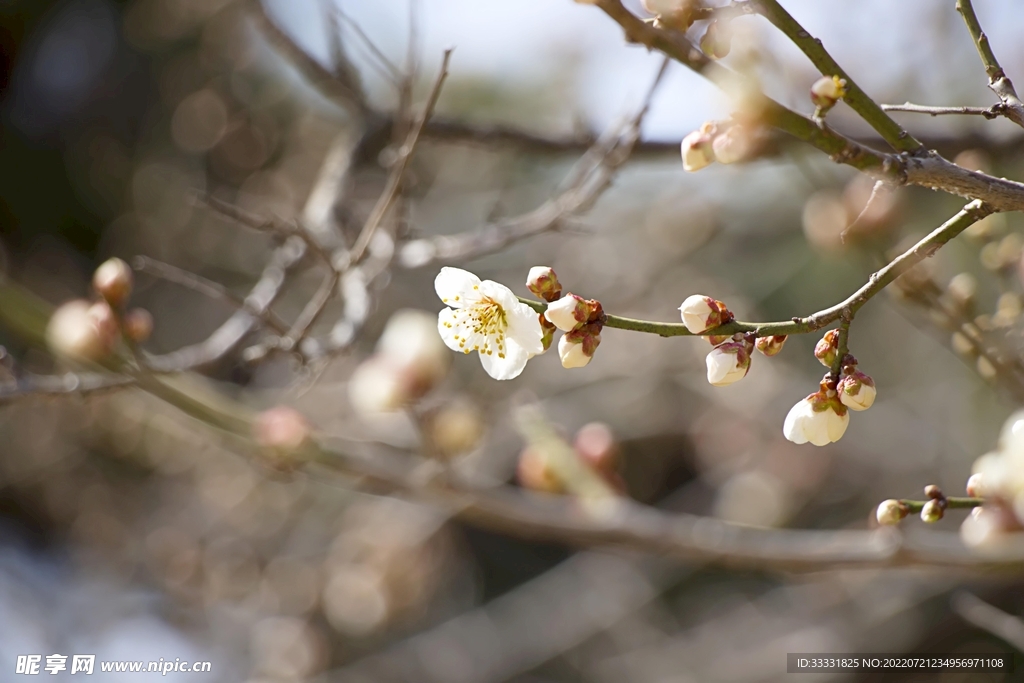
389	69
206	287
988	618
405	154
988	112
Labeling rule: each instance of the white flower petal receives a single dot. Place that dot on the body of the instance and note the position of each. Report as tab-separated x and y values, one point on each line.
524	327
510	366
837	424
562	313
792	428
456	287
571	354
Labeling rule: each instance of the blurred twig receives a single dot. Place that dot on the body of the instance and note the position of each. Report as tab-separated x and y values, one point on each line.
976	611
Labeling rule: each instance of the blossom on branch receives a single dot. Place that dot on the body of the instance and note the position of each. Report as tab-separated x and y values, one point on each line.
701	313
819	419
856	391
576	348
697	150
828	90
486	317
728	363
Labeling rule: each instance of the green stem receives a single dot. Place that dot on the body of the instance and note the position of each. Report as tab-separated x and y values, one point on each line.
988	58
970	214
867	108
914	506
676	46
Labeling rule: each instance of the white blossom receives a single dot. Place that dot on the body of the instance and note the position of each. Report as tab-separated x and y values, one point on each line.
700	313
816	419
857	391
696	151
485	316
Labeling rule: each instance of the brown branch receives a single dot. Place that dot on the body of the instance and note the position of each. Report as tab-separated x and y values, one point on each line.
998	82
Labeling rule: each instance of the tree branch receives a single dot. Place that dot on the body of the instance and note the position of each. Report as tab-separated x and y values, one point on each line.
866	107
988	112
998	81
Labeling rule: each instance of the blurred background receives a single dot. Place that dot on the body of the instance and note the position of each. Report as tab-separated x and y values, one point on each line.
129	532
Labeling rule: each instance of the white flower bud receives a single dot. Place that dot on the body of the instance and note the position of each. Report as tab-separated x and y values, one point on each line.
827	90
697	151
890	512
733	145
975	486
816	419
728	363
701	313
571	353
113	281
566	313
543	282
79	332
772	345
857	391
378	385
410	341
932	511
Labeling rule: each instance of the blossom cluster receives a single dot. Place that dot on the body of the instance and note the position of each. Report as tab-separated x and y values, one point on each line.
998	477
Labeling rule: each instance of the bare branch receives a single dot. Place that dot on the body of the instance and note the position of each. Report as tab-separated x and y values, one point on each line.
998	82
988	112
976	611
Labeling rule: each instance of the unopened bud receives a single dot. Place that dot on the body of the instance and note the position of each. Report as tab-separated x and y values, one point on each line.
772	345
716	40
716	339
733	145
827	348
113	281
701	313
828	90
456	429
379	385
975	487
283	431
932	511
576	348
78	332
932	491
566	313
890	512
543	282
697	151
535	472
410	342
728	363
595	444
857	391
138	325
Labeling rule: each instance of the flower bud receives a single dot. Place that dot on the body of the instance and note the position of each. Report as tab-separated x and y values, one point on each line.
113	281
543	282
548	330
697	151
932	511
890	512
378	385
728	363
701	313
535	472
975	487
716	339
456	429
282	430
411	343
576	348
827	348
675	14
715	41
933	491
138	325
733	145
819	419
78	332
828	90
770	346
856	391
566	313
595	444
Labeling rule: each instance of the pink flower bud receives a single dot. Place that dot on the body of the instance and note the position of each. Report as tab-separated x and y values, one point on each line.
856	391
138	325
728	363
701	313
282	430
828	90
543	282
890	512
113	281
697	151
827	348
770	346
75	331
596	445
